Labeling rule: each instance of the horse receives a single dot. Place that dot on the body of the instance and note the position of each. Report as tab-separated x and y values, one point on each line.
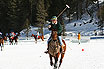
15	38
36	38
1	43
5	39
54	50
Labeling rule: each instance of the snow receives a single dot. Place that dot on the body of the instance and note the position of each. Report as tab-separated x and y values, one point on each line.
28	55
33	30
101	0
86	25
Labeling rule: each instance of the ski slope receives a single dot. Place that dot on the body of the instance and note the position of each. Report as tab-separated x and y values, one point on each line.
28	55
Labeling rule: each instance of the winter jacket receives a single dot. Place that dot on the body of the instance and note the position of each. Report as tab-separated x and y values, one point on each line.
57	27
13	34
79	36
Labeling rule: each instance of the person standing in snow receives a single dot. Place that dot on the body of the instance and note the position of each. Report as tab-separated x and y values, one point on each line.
79	37
95	32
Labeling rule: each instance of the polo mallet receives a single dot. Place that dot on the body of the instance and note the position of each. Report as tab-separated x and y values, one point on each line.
60	13
63	10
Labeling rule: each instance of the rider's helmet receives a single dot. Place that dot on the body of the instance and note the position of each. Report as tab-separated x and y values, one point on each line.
54	18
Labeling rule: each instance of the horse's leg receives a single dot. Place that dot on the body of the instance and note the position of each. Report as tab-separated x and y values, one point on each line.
1	46
9	41
16	41
42	38
51	62
56	59
12	41
2	43
35	39
62	56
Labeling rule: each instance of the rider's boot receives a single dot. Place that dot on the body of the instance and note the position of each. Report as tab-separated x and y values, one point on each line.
47	51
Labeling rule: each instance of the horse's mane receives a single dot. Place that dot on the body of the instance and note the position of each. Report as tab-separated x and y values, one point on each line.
54	30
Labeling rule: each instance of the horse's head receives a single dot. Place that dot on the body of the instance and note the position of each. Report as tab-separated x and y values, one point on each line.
54	35
5	38
32	35
18	34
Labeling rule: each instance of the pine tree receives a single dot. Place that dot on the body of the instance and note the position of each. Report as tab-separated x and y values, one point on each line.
32	4
27	26
17	14
3	16
40	14
101	18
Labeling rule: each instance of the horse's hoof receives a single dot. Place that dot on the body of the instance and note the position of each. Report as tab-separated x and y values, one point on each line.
55	66
51	63
1	49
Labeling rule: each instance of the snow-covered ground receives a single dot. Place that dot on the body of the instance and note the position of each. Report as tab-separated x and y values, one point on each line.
28	55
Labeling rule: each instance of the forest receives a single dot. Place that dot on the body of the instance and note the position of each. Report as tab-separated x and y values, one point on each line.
16	15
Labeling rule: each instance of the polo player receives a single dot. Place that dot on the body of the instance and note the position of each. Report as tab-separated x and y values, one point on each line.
58	27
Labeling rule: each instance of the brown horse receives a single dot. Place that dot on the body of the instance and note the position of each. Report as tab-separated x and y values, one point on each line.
15	38
1	43
39	37
54	50
5	39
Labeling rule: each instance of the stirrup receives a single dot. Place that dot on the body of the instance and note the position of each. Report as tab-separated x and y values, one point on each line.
46	52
